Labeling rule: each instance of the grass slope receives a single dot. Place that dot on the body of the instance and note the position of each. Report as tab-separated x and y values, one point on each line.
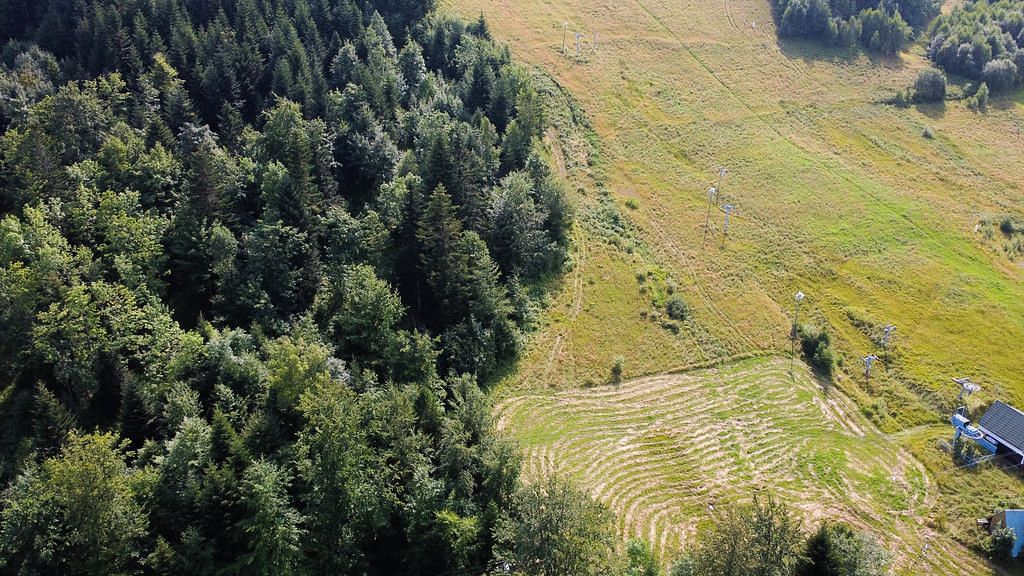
839	195
665	451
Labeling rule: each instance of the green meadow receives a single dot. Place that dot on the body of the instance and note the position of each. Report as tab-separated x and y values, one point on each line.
881	215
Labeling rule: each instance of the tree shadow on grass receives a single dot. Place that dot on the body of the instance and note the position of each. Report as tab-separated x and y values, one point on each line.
825	383
811	51
933	110
1006	101
799	366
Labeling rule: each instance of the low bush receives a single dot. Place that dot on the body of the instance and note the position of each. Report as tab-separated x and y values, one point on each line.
816	346
617	369
1000	75
981	96
999	544
901	99
1010	226
767	538
839	550
676	308
930	86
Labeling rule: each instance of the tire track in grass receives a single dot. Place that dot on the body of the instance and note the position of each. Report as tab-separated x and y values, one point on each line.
812	158
922	233
728	14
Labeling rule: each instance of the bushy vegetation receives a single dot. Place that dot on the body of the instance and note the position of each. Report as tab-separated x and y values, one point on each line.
999	544
816	346
982	41
839	550
256	259
676	308
641	560
979	100
881	27
930	86
617	368
1006	233
765	538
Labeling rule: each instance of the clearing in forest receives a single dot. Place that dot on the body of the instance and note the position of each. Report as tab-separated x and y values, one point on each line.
879	214
664	451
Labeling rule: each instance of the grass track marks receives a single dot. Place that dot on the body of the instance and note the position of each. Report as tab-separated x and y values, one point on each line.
660	451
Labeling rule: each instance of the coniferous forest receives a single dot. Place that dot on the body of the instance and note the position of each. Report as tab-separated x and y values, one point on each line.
257	260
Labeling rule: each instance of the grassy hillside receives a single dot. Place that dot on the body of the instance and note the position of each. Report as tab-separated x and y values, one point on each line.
840	196
665	451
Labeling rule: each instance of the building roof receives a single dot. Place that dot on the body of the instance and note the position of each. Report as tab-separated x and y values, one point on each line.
1006	422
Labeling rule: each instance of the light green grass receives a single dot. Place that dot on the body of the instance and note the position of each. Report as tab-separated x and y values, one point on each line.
840	196
665	452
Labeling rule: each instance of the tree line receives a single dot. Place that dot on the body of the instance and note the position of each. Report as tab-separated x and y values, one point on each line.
981	41
880	26
257	258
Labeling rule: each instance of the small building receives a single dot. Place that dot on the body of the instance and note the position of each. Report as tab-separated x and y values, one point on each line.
1013	519
1000	431
1003	426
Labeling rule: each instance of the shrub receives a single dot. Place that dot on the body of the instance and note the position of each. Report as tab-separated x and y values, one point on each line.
901	99
1000	75
839	550
981	96
816	346
670	326
769	540
999	544
1008	226
1014	247
930	86
641	560
617	369
676	308
682	567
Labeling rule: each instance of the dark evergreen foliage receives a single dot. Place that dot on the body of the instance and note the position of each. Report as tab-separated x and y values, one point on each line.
257	258
930	86
765	538
816	346
881	26
982	41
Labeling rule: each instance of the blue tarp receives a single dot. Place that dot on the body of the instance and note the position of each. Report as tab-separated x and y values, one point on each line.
1015	520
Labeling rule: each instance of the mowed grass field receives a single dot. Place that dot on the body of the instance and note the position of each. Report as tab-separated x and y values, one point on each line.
839	195
666	451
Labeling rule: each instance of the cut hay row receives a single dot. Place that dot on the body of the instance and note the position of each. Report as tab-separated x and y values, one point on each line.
669	451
